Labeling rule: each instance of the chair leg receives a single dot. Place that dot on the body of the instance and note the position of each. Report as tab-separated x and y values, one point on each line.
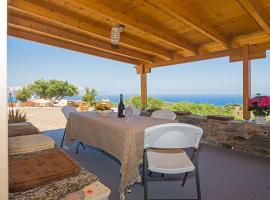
77	148
197	176
63	138
185	179
82	145
145	183
78	145
143	174
149	173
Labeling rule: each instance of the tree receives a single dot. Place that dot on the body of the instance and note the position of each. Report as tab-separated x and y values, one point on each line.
54	90
90	96
23	94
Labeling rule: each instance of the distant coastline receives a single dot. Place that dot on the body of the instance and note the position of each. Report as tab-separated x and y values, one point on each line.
218	100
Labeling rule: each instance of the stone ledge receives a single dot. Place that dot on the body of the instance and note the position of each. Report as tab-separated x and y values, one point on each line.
241	135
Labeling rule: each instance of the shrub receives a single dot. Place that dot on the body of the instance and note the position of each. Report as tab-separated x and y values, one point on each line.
23	94
30	104
152	103
83	106
73	103
16	116
90	96
201	109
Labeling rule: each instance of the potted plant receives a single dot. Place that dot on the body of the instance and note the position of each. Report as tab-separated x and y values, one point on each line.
103	108
260	106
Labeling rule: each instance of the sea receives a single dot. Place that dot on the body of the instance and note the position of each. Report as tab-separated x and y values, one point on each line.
218	100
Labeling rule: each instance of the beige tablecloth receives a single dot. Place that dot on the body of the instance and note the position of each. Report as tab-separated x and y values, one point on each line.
121	137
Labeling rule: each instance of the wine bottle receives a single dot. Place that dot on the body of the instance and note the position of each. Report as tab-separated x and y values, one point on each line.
121	107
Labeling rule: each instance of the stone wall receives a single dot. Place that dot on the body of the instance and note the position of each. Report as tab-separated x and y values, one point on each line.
240	135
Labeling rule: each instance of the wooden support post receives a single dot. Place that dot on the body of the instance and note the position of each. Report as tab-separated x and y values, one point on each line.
143	70
144	90
3	103
246	82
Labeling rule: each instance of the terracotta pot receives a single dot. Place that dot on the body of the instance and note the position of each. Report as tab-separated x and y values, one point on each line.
260	119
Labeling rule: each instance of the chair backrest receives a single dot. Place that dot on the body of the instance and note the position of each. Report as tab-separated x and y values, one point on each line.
132	111
172	135
67	109
164	114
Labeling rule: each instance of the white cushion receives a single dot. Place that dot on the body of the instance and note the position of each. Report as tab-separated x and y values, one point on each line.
169	161
94	191
29	143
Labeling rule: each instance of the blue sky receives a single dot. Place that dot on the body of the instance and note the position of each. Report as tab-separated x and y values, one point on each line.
29	61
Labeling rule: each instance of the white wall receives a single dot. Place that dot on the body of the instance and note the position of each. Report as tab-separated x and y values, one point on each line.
3	102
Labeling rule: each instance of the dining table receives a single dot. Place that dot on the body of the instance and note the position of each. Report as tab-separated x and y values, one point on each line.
123	138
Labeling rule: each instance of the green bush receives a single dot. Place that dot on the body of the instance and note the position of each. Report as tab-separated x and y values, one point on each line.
73	103
201	109
23	94
16	116
152	103
90	96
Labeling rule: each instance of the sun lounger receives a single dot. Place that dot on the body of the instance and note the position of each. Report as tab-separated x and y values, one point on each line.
23	128
29	143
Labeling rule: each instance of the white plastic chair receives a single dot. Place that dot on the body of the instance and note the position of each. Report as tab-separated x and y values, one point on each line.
164	114
163	152
132	111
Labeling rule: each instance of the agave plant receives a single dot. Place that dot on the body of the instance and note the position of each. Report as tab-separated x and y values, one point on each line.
16	116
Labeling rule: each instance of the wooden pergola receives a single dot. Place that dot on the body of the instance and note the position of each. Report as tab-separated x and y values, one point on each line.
157	33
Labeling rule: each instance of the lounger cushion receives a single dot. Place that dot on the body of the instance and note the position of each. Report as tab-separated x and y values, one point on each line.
29	143
23	128
41	169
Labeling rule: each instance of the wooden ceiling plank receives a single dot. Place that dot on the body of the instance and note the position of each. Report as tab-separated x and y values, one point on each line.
256	52
252	7
84	27
95	7
191	20
29	25
69	46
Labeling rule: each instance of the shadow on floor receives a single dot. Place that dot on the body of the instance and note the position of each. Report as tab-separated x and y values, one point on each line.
225	174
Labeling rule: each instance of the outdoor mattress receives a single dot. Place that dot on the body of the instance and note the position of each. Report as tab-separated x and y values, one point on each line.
23	128
84	186
41	169
29	143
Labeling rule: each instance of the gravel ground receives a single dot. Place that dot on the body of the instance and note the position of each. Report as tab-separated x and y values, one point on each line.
45	118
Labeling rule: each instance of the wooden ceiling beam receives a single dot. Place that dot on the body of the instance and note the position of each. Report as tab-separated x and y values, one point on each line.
95	7
82	26
191	20
61	34
70	46
235	54
252	7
